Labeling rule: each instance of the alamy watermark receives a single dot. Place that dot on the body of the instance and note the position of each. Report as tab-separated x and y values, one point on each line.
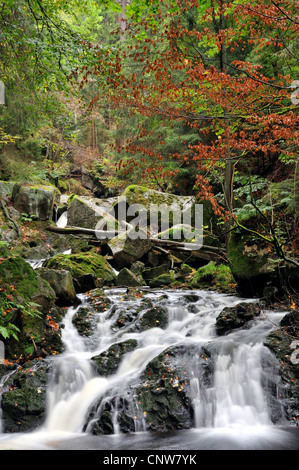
295	85
2	352
2	92
166	222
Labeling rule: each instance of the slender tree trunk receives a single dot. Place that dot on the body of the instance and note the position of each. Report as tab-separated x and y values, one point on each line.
229	165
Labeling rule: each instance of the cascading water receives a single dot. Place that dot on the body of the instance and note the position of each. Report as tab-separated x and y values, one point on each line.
232	397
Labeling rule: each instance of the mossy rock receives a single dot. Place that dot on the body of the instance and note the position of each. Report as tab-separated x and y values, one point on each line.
214	276
126	249
163	280
159	206
252	264
81	265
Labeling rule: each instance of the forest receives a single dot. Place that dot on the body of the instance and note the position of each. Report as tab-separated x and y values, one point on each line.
150	101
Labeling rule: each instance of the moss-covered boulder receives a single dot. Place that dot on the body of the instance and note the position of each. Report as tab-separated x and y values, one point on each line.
24	397
155	204
251	263
163	280
213	276
19	283
35	200
89	270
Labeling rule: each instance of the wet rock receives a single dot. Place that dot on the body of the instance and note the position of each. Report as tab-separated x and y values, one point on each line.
153	317
162	396
24	398
108	362
236	317
283	344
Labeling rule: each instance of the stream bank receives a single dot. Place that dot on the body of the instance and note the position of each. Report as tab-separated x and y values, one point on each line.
36	300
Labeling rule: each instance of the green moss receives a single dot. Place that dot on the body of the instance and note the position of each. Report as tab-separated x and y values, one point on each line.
247	257
215	276
80	264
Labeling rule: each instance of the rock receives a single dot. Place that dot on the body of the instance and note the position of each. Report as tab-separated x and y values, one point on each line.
126	278
154	201
108	362
24	399
162	280
88	212
284	346
178	232
89	270
236	317
34	200
154	317
251	263
162	395
151	273
126	250
61	282
137	267
215	276
84	321
6	188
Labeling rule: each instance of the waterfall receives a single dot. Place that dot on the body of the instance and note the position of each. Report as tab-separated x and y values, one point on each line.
62	221
232	393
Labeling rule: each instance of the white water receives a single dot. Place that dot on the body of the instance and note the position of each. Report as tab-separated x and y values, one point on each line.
235	401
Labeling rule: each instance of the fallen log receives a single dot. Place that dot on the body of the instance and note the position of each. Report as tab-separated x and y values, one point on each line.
206	252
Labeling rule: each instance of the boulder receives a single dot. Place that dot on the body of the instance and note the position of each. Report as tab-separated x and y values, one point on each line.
6	188
89	270
126	249
236	317
127	278
283	344
163	280
164	403
34	200
24	400
61	282
153	202
251	263
89	212
108	361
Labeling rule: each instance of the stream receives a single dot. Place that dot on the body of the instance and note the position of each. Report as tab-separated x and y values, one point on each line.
235	408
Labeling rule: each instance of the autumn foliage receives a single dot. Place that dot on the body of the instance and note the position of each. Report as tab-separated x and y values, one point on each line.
187	61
